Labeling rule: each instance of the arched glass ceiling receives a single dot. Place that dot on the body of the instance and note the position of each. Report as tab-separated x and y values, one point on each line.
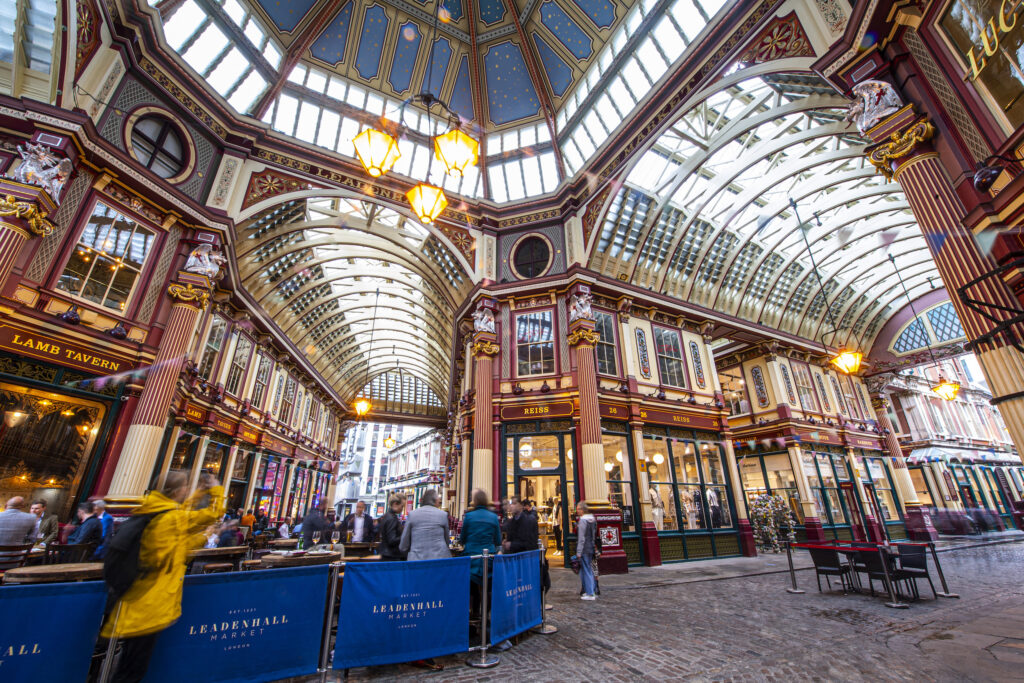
704	214
359	288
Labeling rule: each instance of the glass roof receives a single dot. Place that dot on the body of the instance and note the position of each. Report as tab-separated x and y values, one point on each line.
704	215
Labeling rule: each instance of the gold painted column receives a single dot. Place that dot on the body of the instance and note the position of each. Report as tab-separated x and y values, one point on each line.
23	212
485	350
135	465
905	155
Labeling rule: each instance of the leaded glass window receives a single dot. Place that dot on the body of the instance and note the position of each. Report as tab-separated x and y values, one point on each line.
535	345
604	324
670	357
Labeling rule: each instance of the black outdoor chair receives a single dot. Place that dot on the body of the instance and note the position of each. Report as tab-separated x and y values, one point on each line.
914	561
827	563
13	556
873	567
66	553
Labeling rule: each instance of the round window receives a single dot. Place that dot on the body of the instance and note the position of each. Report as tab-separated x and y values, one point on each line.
532	257
157	144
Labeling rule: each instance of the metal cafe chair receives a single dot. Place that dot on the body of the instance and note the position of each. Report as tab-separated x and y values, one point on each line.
13	556
873	567
827	563
66	553
914	562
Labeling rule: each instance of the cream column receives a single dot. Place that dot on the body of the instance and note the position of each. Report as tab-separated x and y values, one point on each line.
485	349
812	523
253	473
169	454
135	465
287	491
197	466
643	480
225	476
462	488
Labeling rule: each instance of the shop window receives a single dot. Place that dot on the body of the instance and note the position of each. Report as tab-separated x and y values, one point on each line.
242	460
661	492
617	474
532	257
239	363
185	450
259	388
535	347
211	351
735	392
875	470
106	264
604	324
824	473
670	357
921	488
158	144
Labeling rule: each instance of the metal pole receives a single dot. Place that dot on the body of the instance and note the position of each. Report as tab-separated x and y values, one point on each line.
545	629
893	601
108	659
486	659
792	572
942	577
333	574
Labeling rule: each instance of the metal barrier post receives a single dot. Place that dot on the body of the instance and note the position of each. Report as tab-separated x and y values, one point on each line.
326	647
893	600
942	577
545	629
792	572
486	659
108	659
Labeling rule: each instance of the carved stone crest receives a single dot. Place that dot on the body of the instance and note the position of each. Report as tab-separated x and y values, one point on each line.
874	101
580	307
40	166
205	261
483	319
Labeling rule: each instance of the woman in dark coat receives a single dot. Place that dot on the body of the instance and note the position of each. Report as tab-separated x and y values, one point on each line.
390	526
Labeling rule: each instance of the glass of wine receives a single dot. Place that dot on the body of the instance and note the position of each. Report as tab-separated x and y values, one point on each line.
335	536
316	537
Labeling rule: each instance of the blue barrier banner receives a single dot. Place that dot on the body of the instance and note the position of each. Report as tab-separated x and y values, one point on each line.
395	612
47	632
515	594
245	626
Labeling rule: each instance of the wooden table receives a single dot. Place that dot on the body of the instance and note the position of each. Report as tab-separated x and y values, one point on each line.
359	549
233	554
284	543
365	558
272	561
55	573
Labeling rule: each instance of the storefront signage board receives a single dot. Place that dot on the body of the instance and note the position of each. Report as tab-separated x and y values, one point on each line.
62	352
821	436
667	417
535	411
274	444
614	411
862	442
224	425
248	434
194	413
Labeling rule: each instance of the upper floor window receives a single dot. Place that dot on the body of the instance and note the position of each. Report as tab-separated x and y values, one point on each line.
259	387
604	324
531	257
158	145
670	357
535	343
287	400
214	342
107	262
804	387
239	362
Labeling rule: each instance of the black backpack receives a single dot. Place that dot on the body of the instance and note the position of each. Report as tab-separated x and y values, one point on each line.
121	561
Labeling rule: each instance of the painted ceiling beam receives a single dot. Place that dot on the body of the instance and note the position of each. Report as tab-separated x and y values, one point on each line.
478	97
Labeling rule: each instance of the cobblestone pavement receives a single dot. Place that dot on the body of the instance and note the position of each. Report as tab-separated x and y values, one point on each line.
749	629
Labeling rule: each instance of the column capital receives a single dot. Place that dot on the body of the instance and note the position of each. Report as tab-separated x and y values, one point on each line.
901	143
28	211
582	333
485	344
189	294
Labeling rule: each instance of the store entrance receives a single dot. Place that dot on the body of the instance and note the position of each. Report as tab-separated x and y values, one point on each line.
547	492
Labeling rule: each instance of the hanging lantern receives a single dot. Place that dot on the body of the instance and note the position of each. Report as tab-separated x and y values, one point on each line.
362	407
377	151
389	442
848	361
456	151
608	467
947	389
427	201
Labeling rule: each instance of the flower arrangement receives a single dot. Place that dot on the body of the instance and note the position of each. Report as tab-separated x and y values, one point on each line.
770	516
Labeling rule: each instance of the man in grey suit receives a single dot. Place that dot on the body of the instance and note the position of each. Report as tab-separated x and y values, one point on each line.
425	536
16	526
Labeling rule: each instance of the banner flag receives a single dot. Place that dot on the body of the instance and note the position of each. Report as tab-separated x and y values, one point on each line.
395	612
48	631
515	594
244	626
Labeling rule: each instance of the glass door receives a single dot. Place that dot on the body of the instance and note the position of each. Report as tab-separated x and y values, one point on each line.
539	469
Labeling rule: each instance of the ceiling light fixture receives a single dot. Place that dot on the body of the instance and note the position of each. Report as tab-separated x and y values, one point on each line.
946	389
378	148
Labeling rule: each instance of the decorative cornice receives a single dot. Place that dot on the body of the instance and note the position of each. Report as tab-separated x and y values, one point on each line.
485	348
189	294
582	336
28	212
900	145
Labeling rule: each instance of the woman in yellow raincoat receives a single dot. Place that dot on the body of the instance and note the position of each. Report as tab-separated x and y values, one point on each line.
154	601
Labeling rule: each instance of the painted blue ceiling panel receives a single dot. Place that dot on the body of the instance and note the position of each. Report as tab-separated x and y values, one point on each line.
601	12
454	8
371	42
409	40
433	77
566	30
330	46
491	11
559	74
462	95
286	14
510	92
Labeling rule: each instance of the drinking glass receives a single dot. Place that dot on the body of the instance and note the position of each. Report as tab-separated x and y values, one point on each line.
335	536
316	537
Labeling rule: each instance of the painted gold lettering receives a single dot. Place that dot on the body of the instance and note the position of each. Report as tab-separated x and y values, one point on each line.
1003	26
990	48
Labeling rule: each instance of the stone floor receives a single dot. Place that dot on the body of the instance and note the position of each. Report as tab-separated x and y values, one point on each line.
726	621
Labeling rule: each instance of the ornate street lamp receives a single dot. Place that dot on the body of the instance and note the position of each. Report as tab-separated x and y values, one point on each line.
427	201
848	361
377	151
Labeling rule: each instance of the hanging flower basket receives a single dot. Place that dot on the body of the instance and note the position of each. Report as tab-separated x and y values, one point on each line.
771	519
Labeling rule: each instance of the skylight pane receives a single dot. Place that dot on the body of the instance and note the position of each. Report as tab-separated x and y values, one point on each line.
620	93
586	145
543	134
309	114
528	136
668	38
510	140
253	32
272	54
235	11
336	88
356	96
652	60
404	163
496	174
531	174
316	81
374	103
571	156
514	180
330	121
287	108
298	74
205	48
549	170
688	18
420	161
593	125
183	23
228	71
246	93
349	129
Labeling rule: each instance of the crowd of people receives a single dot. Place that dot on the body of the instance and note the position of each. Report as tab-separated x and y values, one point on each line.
42	529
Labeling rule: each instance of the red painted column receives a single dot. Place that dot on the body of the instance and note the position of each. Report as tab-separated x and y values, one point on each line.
142	441
485	349
23	212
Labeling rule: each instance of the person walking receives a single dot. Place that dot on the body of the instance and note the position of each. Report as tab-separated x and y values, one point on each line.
390	526
153	602
586	546
425	536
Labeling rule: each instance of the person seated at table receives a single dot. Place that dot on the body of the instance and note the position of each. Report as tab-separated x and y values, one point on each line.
358	526
297	528
390	527
47	527
284	531
247	520
89	529
106	521
261	521
229	534
16	528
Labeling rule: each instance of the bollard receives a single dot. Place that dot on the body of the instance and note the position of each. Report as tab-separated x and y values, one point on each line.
545	629
108	659
792	572
942	577
326	648
486	660
893	600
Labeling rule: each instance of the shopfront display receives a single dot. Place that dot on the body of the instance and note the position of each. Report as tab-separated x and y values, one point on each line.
826	472
880	493
772	474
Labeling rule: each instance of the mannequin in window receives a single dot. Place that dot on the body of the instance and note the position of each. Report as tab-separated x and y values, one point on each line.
657	507
689	508
715	508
